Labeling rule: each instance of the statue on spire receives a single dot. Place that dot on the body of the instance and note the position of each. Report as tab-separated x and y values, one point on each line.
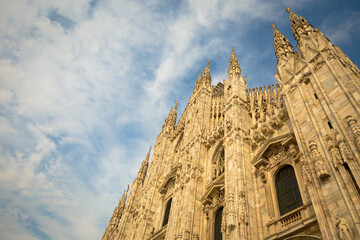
282	45
299	25
234	66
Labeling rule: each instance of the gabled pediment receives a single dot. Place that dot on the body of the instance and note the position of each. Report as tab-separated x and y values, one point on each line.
260	159
213	189
169	181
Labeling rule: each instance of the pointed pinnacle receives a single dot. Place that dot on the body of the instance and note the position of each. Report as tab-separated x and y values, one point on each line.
288	10
234	62
148	155
273	26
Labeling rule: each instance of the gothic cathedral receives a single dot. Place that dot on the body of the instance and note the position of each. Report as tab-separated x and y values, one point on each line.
274	162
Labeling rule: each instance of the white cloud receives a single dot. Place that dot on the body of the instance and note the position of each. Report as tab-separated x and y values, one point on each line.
69	96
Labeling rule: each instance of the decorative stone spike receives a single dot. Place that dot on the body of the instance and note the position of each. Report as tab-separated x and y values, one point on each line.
207	75
282	45
334	151
234	66
198	81
318	160
299	25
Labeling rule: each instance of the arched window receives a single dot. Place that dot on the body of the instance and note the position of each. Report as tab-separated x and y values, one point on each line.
219	164
217	229
167	213
287	189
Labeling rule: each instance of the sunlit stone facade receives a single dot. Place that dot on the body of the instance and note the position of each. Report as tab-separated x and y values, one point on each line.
274	162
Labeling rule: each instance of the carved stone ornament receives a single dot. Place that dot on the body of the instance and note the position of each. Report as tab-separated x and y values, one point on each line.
355	129
229	124
318	161
343	147
334	151
305	171
329	53
344	228
243	207
231	216
214	136
187	235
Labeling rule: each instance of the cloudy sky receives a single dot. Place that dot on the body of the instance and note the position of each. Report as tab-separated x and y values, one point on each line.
85	87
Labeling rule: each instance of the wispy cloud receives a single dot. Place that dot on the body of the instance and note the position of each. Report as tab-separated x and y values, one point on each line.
84	89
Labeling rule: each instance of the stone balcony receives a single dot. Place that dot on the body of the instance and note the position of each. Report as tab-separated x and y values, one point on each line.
298	221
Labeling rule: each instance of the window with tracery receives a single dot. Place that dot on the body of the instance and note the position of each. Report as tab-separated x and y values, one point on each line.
219	164
287	189
167	213
217	228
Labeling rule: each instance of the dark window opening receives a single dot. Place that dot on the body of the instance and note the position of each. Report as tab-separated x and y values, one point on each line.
218	220
316	97
347	168
287	189
330	126
167	212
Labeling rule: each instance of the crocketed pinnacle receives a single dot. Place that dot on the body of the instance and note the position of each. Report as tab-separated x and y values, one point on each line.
123	198
144	167
299	25
148	155
198	81
172	116
207	75
234	66
282	45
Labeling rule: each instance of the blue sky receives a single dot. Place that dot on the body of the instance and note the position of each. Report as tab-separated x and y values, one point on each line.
85	87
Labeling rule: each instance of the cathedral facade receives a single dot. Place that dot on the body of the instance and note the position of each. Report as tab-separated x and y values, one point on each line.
274	162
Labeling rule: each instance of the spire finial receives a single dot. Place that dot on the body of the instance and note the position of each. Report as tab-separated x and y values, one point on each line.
282	45
207	75
148	155
198	81
299	25
234	66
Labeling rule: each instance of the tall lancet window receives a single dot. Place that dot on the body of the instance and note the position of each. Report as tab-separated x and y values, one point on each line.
217	228
167	213
219	164
287	189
